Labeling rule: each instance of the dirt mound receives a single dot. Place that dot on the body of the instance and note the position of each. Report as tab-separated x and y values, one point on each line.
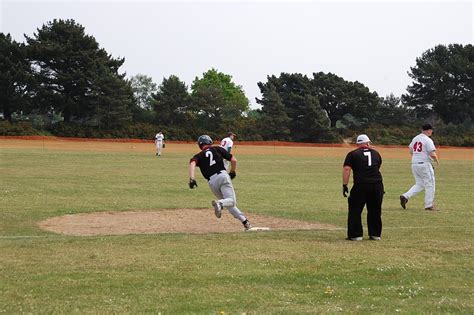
197	221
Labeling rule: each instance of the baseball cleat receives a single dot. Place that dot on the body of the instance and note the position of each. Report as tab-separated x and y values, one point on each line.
217	208
354	238
375	238
403	201
431	209
247	226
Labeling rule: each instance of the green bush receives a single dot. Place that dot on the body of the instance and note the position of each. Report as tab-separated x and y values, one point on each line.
444	134
135	131
454	135
22	128
380	134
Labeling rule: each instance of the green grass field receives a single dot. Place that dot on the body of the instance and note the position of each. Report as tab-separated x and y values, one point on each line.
424	263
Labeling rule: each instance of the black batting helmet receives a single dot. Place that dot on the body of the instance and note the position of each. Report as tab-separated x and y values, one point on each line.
203	140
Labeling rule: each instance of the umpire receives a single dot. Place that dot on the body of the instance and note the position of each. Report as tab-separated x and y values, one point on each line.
367	189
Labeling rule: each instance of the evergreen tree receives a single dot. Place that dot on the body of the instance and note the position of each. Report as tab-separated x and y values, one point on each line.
315	123
340	97
274	121
171	102
15	80
206	108
391	112
113	101
443	84
307	120
70	68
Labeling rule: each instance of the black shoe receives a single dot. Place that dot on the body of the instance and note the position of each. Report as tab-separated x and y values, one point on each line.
403	201
247	226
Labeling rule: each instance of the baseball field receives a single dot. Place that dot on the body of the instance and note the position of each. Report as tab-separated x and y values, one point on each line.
102	227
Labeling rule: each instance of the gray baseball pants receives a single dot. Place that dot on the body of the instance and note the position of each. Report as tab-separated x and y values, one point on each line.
221	186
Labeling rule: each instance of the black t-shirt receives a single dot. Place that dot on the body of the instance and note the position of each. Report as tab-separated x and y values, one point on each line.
365	162
211	160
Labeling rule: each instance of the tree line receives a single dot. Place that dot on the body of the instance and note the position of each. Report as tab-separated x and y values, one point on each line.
61	82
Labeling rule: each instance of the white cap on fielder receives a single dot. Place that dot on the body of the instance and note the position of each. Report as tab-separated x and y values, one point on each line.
362	139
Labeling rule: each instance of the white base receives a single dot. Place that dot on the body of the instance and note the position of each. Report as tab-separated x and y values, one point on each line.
258	228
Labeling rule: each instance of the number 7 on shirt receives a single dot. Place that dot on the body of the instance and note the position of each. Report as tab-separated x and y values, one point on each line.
369	155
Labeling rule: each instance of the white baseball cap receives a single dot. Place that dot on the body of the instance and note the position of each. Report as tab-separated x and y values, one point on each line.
362	139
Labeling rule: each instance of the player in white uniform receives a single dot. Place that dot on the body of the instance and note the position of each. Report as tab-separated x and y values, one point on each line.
423	151
159	142
227	144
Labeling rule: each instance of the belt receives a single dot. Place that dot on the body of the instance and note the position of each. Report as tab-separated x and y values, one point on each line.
215	174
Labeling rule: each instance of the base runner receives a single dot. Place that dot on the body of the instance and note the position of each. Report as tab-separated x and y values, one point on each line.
211	163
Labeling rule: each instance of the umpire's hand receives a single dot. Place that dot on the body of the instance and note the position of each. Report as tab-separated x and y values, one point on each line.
345	190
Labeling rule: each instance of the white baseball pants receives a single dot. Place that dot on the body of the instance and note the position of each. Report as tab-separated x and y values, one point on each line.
227	165
221	186
424	179
159	146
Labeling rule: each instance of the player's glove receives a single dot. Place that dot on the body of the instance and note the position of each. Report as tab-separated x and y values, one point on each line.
345	190
232	174
192	183
164	145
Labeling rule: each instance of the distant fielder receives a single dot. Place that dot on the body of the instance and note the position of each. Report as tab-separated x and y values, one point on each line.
423	151
159	142
227	143
210	161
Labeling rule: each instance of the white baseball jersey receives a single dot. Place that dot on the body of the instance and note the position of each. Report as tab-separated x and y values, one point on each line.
421	146
159	137
227	144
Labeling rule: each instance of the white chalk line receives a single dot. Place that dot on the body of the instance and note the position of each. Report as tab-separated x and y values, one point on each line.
14	237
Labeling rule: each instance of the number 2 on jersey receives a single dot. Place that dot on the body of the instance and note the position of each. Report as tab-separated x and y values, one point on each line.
369	156
211	158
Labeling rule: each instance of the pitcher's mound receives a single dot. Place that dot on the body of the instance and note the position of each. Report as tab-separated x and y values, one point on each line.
196	221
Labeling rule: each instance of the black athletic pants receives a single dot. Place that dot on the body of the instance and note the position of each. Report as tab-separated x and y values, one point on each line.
361	195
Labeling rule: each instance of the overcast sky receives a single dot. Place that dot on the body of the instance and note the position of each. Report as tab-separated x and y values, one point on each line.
373	42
